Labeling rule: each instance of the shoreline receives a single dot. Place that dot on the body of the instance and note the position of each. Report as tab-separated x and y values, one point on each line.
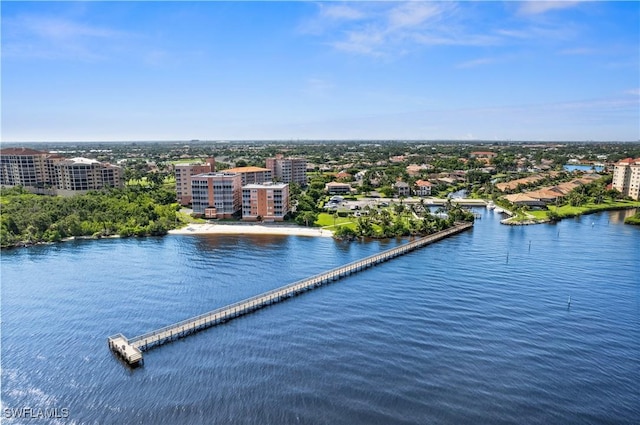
250	229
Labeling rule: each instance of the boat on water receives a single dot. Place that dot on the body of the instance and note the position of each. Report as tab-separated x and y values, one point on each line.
491	205
499	210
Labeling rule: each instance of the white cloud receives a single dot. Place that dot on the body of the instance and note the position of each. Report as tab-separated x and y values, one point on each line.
538	7
341	12
47	37
392	29
413	14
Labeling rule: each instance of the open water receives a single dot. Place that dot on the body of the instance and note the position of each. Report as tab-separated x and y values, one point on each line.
475	329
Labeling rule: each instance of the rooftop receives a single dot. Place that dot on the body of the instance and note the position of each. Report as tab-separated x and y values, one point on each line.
246	170
266	186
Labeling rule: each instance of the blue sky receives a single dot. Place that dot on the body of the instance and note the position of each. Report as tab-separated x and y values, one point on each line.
84	71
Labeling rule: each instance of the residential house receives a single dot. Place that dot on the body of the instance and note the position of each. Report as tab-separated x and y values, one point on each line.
336	188
402	188
423	188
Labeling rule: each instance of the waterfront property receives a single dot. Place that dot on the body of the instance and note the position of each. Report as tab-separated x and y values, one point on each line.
28	168
269	202
423	188
626	177
184	172
79	175
216	195
550	194
131	349
52	174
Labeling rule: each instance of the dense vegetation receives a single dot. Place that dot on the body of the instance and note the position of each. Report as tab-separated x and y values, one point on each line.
133	211
634	219
402	220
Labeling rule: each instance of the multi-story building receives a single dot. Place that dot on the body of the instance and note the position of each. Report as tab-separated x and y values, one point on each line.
184	172
268	202
34	170
402	188
216	194
252	175
45	173
78	175
288	170
626	177
423	188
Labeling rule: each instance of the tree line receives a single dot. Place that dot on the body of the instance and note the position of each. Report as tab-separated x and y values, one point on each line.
133	211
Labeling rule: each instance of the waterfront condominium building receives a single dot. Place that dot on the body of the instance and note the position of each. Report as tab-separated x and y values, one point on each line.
46	173
288	170
252	175
626	177
268	202
216	194
77	175
34	170
184	172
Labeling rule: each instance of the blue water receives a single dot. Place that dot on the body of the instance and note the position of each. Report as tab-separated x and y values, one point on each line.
474	329
586	168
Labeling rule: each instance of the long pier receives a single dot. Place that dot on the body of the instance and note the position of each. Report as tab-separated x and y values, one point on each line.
131	349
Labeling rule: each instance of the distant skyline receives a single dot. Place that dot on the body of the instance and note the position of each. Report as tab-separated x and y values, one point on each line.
420	70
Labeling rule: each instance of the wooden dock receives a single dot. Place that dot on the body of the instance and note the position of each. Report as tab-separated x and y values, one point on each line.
131	349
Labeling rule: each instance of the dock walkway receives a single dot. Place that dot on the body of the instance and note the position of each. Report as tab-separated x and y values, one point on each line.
131	349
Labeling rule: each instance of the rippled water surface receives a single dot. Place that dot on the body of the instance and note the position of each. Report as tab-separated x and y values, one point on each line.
474	329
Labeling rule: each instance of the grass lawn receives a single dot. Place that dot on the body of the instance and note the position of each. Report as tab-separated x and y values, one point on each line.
539	214
327	220
186	218
569	211
169	182
138	182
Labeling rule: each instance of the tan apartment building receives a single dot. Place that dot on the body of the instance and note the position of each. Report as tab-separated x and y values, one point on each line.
626	177
216	194
78	175
34	170
46	173
288	170
252	175
184	172
268	202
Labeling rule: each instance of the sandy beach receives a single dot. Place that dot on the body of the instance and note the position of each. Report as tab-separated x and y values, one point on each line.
250	229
